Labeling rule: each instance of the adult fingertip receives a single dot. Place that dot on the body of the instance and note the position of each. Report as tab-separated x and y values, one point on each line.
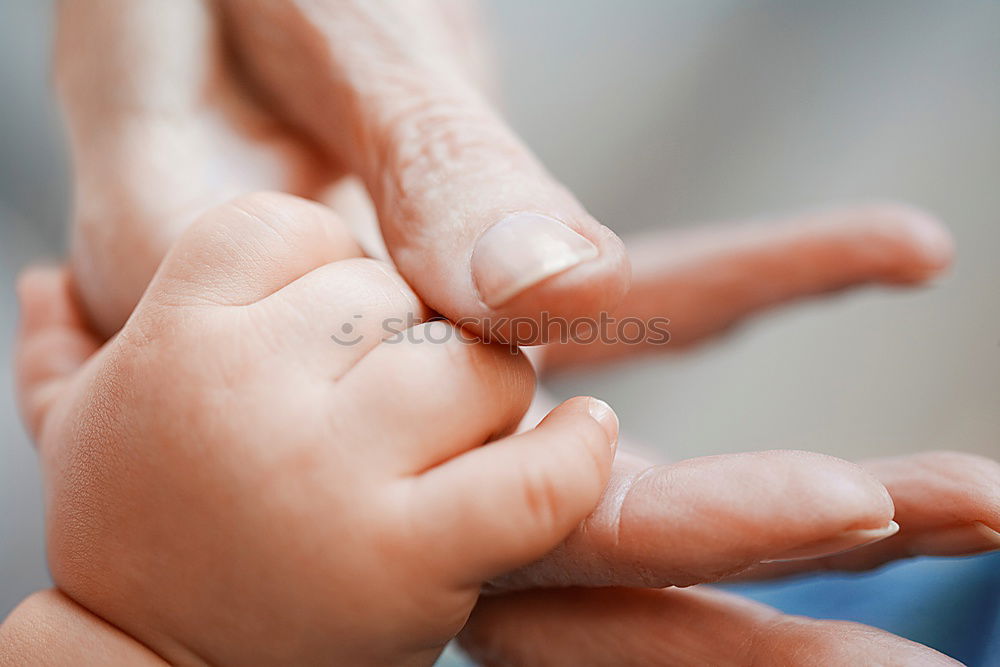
567	298
933	242
845	541
847	487
925	245
520	251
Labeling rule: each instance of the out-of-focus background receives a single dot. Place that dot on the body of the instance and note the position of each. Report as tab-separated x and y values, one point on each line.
667	113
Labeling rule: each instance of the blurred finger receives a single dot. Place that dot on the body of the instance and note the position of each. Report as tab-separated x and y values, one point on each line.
53	341
706	280
947	504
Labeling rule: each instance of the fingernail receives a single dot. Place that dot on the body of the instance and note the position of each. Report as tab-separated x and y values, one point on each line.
522	250
850	539
930	238
606	417
955	541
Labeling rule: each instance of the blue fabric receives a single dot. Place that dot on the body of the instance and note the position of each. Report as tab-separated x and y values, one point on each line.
950	604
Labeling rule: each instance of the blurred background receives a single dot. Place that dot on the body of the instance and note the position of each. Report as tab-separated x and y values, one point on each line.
669	113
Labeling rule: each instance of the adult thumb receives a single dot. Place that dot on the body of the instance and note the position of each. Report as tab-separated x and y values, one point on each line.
472	220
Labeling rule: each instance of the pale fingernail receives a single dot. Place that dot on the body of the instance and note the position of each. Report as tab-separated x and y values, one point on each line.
522	250
933	248
955	541
606	417
850	539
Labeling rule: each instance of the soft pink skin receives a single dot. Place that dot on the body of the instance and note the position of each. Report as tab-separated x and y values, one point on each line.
162	130
228	486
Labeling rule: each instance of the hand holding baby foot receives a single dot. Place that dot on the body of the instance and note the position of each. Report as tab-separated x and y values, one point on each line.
226	484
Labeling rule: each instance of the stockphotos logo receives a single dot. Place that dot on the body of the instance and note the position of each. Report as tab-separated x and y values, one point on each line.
605	330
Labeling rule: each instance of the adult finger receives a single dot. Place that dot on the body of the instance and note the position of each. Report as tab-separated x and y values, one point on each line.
702	519
470	217
707	280
617	626
947	504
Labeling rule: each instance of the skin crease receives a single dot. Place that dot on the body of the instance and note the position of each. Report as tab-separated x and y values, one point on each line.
146	84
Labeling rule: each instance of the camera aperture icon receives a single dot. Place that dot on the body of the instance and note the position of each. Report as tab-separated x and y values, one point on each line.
348	335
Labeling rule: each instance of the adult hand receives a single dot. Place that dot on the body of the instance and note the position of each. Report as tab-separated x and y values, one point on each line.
702	520
946	503
676	524
163	128
709	279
